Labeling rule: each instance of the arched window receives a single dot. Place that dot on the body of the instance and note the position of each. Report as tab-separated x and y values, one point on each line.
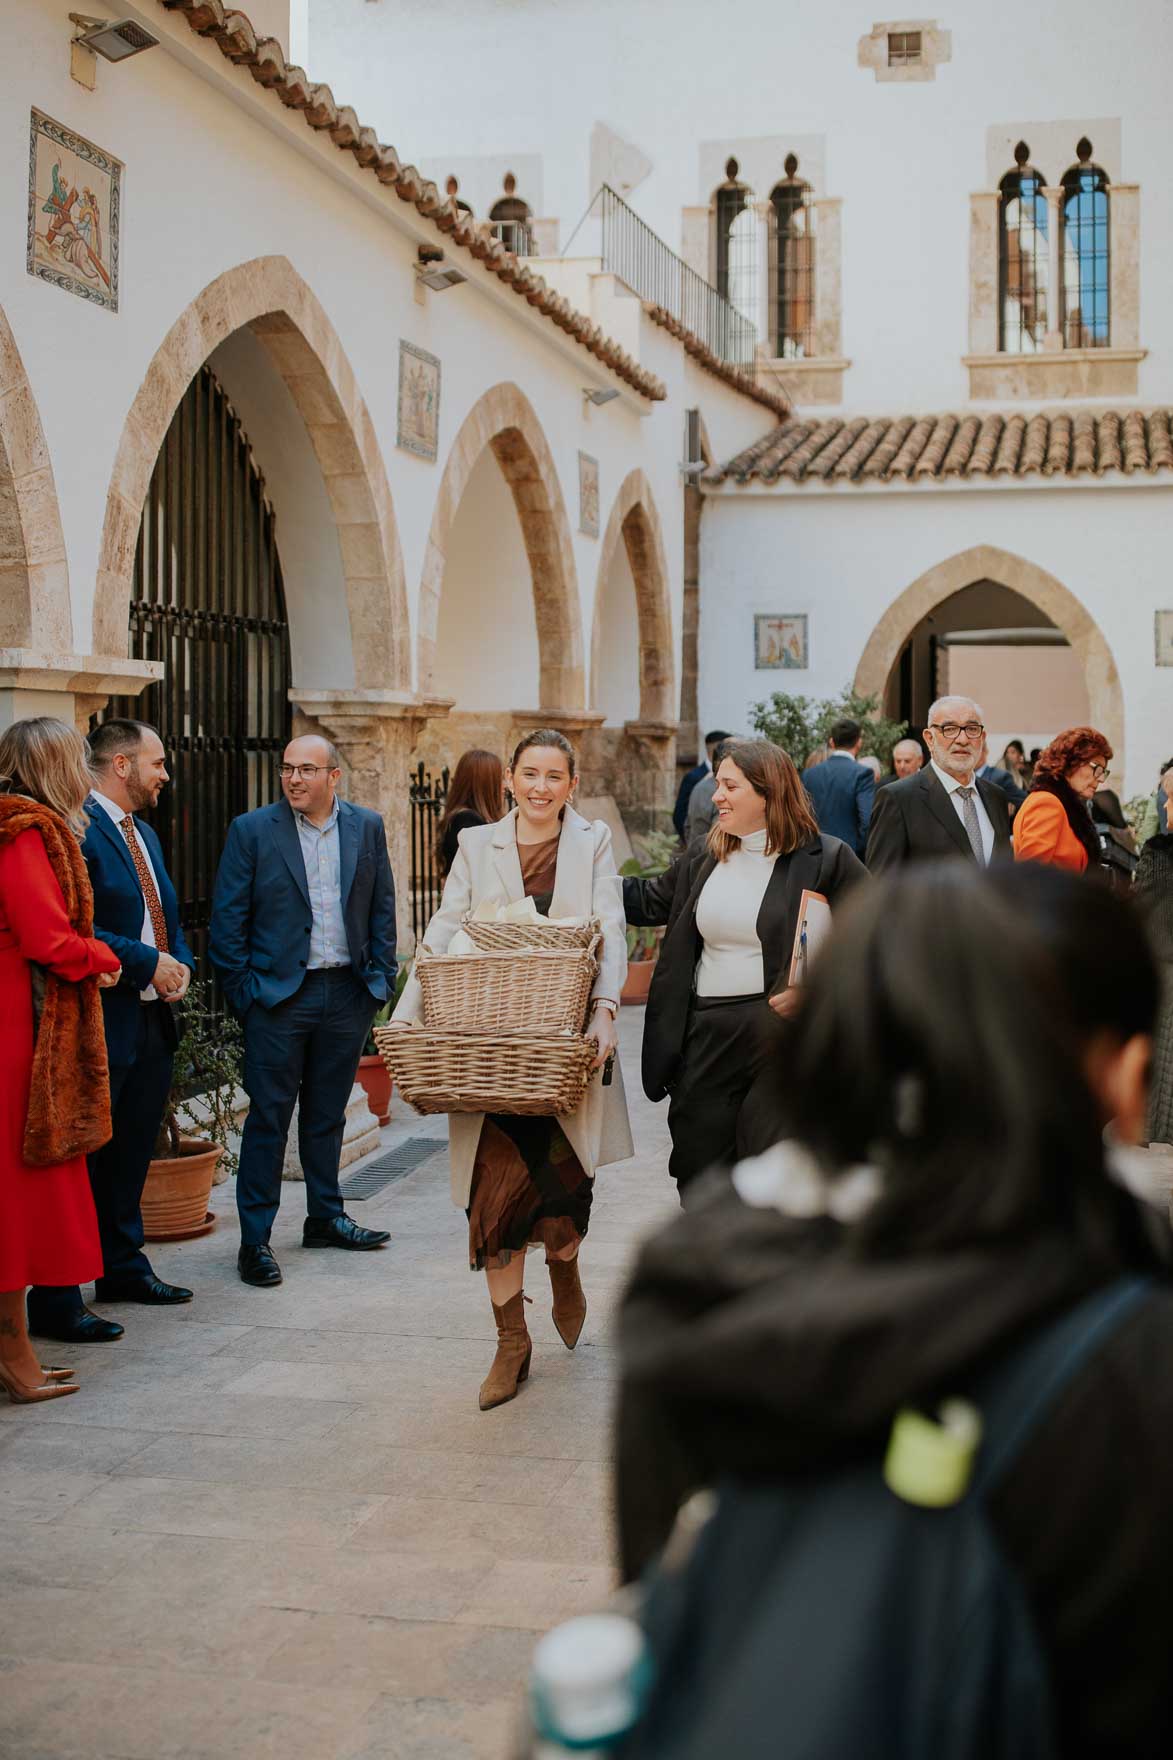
1085	253
509	219
737	244
1024	263
792	267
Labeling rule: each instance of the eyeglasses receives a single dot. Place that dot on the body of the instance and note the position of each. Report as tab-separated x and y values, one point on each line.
1099	771
951	731
309	771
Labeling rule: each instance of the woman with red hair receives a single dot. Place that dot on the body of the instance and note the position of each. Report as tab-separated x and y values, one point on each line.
1054	824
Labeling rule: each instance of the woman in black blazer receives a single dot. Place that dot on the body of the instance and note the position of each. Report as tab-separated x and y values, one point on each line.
731	903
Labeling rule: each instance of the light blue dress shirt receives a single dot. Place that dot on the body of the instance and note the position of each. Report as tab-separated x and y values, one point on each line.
321	853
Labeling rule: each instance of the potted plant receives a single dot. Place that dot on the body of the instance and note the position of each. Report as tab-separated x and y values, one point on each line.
643	945
204	1080
373	1075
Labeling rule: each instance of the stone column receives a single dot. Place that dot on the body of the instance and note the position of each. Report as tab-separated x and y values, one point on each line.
376	733
984	209
70	686
650	753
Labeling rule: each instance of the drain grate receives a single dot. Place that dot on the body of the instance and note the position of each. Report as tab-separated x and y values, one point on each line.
377	1175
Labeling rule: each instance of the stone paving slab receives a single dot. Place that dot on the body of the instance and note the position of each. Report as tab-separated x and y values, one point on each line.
274	1523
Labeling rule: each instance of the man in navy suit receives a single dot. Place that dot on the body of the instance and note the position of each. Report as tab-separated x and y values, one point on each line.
841	789
137	914
303	936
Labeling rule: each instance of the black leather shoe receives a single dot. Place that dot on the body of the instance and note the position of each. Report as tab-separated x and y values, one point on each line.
80	1328
141	1289
258	1266
341	1231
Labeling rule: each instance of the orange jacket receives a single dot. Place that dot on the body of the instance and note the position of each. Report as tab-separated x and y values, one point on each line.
1042	834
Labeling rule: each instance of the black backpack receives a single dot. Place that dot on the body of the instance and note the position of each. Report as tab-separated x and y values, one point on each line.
830	1620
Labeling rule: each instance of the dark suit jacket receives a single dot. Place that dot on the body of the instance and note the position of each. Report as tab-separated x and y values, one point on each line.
915	820
824	865
843	793
118	920
687	783
1002	779
261	918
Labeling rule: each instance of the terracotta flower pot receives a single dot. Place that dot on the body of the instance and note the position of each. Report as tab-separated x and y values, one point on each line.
175	1197
638	982
375	1080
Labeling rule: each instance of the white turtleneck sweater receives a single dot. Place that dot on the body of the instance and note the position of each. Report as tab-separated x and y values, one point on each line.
727	917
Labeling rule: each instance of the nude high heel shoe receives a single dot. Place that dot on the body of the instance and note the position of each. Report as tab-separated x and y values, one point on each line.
22	1393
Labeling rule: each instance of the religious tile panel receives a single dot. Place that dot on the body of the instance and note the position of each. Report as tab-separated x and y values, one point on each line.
419	401
588	495
1164	638
780	642
75	202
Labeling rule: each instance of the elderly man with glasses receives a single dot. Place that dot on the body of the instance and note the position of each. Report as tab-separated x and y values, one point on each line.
303	936
945	809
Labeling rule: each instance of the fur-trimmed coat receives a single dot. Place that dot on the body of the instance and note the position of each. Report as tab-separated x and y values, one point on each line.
69	1094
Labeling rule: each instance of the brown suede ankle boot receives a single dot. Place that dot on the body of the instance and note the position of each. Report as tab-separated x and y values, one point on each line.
514	1349
569	1310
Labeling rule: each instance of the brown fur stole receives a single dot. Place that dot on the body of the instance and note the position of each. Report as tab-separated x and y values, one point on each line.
69	1094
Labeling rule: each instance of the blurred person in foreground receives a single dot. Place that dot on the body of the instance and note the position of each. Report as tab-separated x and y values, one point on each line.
1054	825
968	1046
54	1077
1154	891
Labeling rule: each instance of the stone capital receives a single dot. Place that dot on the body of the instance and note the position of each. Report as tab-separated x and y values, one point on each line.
97	675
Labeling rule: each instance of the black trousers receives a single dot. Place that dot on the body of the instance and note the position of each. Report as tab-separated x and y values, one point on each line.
118	1171
724	1104
305	1050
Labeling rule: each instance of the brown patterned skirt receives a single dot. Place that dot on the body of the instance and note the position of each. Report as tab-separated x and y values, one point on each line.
528	1189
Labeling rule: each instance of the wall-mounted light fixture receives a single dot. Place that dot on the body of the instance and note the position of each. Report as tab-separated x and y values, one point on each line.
432	271
114	39
598	397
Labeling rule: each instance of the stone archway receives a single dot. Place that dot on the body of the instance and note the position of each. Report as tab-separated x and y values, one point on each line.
35	612
504	421
270	298
985	562
635	523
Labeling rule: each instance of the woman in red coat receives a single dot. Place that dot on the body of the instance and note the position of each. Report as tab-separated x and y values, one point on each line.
54	1089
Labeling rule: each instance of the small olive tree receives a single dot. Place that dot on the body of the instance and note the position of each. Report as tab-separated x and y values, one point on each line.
800	725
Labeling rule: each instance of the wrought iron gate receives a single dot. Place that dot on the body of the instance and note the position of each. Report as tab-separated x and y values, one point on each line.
427	795
208	600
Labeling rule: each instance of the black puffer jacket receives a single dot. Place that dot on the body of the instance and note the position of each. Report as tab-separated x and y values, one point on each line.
754	1344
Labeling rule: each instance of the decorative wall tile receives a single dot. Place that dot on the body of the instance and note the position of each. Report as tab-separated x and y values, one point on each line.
75	202
419	401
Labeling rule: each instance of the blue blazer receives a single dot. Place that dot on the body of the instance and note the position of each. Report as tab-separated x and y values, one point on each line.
118	920
843	793
261	920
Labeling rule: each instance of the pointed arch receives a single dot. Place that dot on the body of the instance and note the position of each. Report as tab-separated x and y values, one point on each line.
34	575
269	297
635	523
504	421
985	562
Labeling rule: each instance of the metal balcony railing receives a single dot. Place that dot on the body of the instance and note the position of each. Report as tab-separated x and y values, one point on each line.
516	235
641	259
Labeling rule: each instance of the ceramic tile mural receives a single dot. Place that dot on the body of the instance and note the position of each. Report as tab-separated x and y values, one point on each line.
1165	638
588	495
419	401
780	643
75	195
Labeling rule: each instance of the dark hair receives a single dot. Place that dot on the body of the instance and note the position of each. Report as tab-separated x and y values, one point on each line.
476	787
715	738
546	736
116	736
943	1040
790	818
845	731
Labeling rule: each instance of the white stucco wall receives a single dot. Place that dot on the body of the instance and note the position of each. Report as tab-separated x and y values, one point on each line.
844	556
616	659
469	77
486	642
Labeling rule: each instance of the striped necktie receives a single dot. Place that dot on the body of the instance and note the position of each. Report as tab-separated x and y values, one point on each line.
150	895
973	829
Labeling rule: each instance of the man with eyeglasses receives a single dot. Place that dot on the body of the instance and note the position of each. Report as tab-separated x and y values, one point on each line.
303	936
945	809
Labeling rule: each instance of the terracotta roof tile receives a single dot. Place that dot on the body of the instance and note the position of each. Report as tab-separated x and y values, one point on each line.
1083	442
264	57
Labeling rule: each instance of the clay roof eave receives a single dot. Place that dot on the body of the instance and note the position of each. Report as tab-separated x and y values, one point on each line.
264	58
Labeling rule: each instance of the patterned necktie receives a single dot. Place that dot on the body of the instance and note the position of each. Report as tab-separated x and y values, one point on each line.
150	895
973	829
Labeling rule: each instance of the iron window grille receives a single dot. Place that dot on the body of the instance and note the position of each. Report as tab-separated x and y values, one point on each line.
509	220
904	48
1024	262
1086	254
792	267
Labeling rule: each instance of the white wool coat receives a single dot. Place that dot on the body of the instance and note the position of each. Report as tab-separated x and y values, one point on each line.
586	884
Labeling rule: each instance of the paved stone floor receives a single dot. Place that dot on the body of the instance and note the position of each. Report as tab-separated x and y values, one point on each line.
274	1523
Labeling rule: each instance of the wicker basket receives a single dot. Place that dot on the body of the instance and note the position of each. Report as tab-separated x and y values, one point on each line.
537	989
508	937
487	1072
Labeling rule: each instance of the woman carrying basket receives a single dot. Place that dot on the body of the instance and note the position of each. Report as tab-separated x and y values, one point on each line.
524	1181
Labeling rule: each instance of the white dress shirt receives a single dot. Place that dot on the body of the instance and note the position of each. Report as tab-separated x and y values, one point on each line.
985	824
147	932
